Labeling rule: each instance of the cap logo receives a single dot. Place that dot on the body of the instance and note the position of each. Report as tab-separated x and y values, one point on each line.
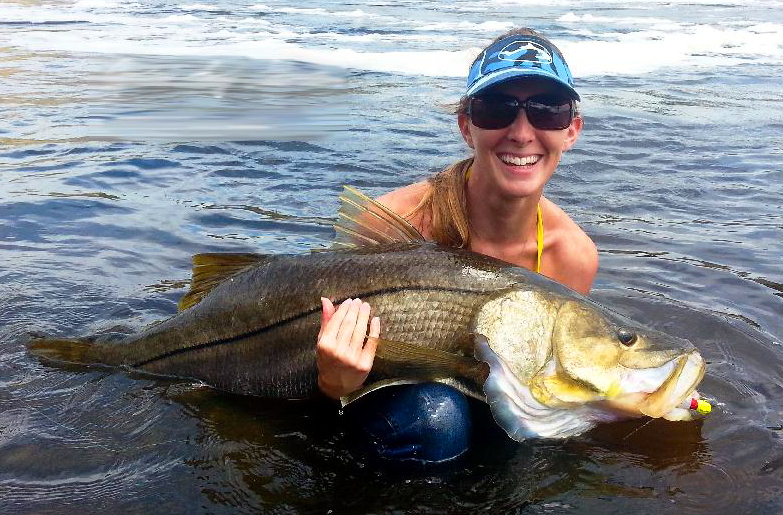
525	51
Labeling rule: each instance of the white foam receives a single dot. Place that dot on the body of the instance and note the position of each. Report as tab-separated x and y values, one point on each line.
197	7
318	11
648	5
467	26
181	18
650	50
96	4
570	17
594	45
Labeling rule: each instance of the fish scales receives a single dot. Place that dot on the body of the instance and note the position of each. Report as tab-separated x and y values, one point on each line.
236	338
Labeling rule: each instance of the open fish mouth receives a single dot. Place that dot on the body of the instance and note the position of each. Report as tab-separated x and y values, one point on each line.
680	378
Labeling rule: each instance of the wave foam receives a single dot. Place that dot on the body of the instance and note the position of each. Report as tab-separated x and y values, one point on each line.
594	44
96	4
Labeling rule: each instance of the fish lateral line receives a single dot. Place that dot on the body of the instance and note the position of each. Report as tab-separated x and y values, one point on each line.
279	323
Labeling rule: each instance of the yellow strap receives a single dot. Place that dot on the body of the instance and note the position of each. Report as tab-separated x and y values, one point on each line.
539	237
539	228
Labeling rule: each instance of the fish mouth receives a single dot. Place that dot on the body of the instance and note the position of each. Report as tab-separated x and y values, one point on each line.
681	376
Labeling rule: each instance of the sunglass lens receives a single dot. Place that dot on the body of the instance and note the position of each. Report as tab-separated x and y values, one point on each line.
545	112
549	112
492	112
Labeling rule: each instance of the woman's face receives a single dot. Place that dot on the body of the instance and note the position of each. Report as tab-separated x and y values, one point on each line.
518	159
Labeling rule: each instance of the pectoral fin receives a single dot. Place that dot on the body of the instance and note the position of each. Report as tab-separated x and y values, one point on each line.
406	363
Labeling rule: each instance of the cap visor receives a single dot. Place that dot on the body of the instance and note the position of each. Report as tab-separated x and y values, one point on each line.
509	74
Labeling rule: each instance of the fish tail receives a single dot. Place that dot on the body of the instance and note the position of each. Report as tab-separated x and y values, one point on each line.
75	350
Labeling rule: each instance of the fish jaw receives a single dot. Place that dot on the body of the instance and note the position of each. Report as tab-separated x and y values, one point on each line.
676	381
519	413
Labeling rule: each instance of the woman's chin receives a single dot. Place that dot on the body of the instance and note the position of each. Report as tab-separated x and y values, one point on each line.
522	181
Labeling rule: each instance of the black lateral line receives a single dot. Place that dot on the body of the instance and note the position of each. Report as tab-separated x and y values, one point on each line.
227	341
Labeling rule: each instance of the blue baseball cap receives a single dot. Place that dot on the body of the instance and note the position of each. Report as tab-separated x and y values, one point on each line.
519	56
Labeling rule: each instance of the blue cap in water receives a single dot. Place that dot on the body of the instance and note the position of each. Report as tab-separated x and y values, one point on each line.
519	56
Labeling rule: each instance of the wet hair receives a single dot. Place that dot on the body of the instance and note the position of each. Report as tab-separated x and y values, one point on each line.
445	201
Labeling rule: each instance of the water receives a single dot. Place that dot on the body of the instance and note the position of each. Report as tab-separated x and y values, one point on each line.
134	135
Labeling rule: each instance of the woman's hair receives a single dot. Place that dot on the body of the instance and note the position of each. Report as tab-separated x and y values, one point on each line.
444	200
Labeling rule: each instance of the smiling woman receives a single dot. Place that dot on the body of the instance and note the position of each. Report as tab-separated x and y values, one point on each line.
518	115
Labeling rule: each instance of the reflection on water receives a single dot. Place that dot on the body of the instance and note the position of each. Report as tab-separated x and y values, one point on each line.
157	98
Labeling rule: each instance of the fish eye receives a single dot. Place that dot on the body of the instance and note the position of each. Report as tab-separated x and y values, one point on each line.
626	337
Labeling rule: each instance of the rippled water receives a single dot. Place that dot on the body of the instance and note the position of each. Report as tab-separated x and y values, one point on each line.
136	135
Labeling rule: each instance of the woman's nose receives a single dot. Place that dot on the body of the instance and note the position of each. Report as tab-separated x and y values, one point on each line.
520	129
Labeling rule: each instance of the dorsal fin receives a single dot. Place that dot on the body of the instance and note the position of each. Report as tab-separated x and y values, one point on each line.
362	221
211	269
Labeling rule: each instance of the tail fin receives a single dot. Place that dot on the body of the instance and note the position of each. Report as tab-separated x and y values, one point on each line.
71	351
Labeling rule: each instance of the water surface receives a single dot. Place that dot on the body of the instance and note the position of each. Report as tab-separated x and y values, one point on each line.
135	135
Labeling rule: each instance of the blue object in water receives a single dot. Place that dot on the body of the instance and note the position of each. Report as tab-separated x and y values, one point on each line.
426	423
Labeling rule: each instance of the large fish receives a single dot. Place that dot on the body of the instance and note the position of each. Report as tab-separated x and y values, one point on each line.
549	361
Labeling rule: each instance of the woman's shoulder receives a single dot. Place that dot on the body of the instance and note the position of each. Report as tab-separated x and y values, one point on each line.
570	255
403	200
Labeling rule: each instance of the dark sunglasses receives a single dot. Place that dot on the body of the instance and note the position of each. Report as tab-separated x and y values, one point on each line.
545	112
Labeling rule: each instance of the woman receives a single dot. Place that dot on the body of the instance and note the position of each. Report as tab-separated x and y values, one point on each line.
519	114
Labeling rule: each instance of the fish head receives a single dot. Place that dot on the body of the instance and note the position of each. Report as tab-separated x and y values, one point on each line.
617	365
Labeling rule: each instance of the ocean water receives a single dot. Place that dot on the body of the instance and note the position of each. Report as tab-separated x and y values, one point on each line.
136	134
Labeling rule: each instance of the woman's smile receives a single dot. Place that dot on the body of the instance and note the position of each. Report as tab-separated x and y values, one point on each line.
519	161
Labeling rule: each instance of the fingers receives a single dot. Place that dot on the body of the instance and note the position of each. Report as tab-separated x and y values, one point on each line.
348	323
360	329
368	352
343	358
329	334
375	327
345	331
327	311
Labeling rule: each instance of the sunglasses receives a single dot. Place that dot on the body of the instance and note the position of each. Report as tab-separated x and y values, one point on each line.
546	112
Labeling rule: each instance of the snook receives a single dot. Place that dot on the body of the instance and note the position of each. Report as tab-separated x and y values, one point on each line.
549	361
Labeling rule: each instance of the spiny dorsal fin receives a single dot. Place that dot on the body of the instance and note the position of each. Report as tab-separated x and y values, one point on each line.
211	269
362	221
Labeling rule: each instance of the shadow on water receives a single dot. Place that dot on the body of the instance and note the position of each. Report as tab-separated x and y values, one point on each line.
296	454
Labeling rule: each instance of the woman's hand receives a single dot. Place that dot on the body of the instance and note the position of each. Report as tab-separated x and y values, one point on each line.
344	359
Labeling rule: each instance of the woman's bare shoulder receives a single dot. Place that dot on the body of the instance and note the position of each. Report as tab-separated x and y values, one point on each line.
403	200
572	254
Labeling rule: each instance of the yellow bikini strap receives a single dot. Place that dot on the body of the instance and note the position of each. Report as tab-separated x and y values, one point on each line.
539	237
539	228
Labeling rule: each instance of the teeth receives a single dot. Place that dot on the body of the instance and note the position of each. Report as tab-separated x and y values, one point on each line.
518	161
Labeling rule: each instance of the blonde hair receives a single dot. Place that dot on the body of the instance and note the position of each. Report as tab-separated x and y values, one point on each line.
445	200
